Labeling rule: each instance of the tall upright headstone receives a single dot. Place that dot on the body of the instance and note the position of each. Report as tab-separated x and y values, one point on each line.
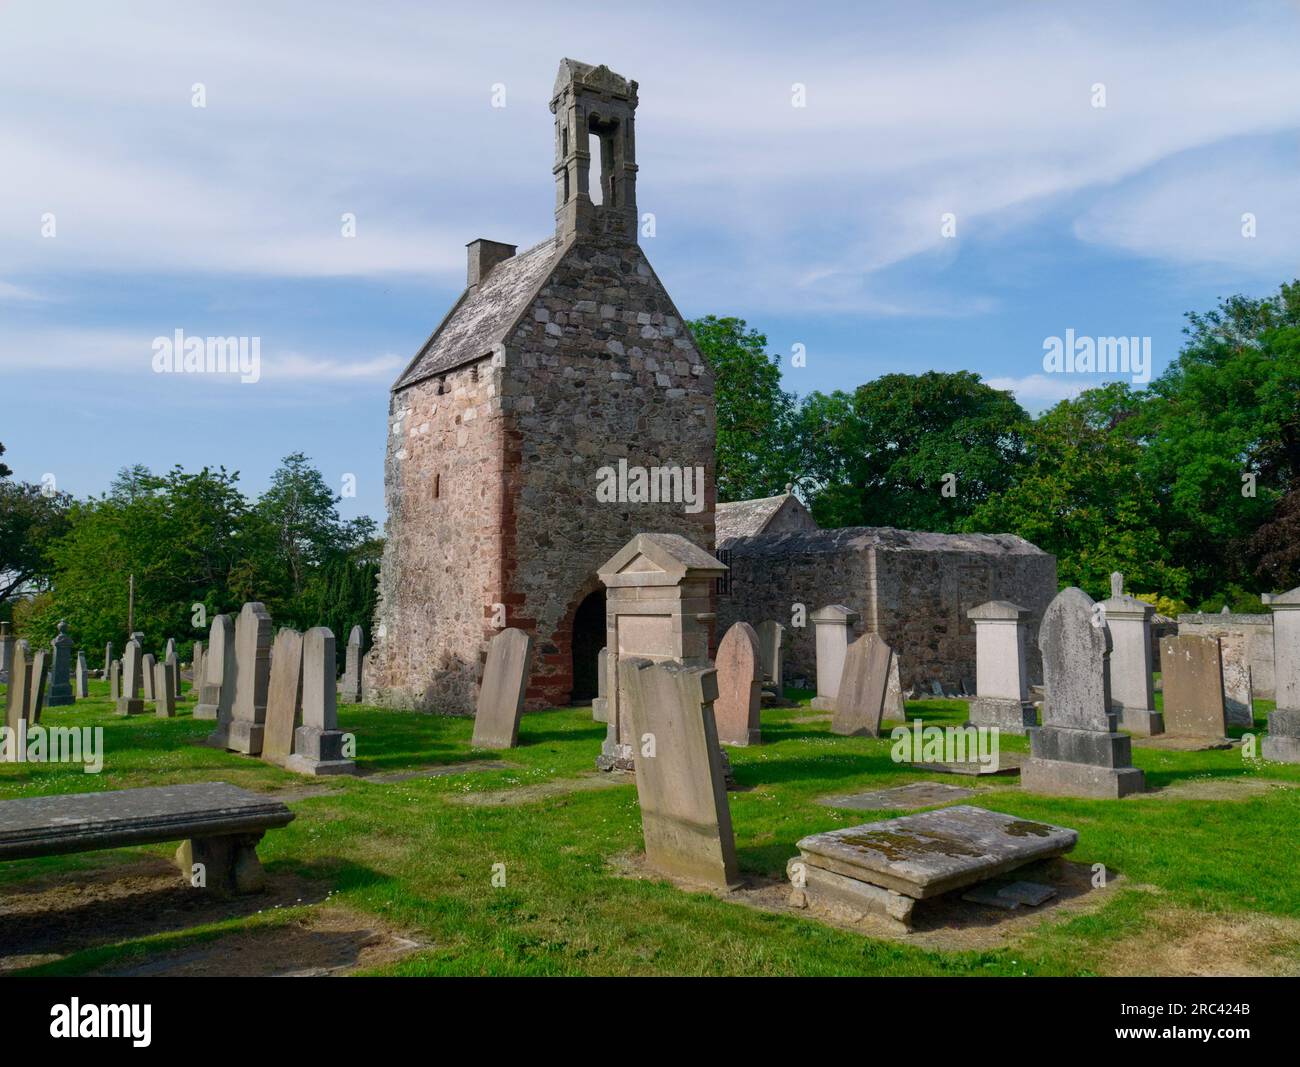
130	702
318	744
148	663
864	680
6	652
1191	675
1132	688
740	687
658	591
834	630
246	727
771	650
1075	752
350	687
164	689
196	669
60	694
218	665
284	696
1238	679
680	782
115	681
83	677
1001	672
39	678
501	696
1283	741
19	695
170	657
600	706
108	657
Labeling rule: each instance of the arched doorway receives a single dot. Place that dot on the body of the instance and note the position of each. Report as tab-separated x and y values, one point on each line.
588	640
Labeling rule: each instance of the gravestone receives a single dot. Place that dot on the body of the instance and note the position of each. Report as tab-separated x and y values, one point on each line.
658	606
350	688
318	743
895	706
115	681
284	696
860	702
164	689
170	657
680	783
1283	741
147	669
19	695
83	677
1238	679
61	694
196	668
1132	691
108	657
740	688
600	706
1193	687
129	702
501	696
771	650
834	629
37	680
1001	671
6	652
218	665
1076	752
244	730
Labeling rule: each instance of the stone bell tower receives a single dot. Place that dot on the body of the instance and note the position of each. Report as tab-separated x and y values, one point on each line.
594	102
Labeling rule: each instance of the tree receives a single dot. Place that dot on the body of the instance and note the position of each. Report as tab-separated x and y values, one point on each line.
299	513
31	518
756	454
919	452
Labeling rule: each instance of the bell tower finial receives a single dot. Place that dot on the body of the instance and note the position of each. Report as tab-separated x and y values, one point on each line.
594	100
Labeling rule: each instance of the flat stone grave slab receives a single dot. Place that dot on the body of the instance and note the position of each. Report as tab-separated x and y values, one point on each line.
1008	763
922	856
900	798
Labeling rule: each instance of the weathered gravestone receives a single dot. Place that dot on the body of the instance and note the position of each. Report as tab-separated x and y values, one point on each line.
350	688
1238	680
860	701
679	777
164	689
1001	672
318	743
834	629
83	677
40	674
196	668
284	696
19	695
771	651
600	706
247	724
1132	692
61	670
501	696
129	702
740	688
149	674
115	681
1076	752
108	658
1192	674
171	657
895	705
1283	740
6	652
218	667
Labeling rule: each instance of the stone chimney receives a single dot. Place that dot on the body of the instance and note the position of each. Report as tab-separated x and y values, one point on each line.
483	256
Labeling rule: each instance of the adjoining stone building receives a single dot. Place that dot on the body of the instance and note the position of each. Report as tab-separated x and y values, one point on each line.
555	364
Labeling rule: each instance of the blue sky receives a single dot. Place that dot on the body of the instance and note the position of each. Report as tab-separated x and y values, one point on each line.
820	225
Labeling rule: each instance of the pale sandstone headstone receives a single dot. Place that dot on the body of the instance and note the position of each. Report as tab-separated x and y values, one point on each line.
1192	674
115	681
1238	680
680	783
350	688
218	662
501	696
740	688
1075	752
196	668
129	702
171	657
864	680
108	657
771	649
83	677
19	695
164	689
1130	665
318	744
1283	741
1001	671
37	681
148	674
61	694
252	674
284	696
895	705
834	629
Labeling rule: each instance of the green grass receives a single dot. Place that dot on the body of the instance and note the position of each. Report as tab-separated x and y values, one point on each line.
406	854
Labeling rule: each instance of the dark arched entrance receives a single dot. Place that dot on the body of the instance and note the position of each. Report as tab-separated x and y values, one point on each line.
588	640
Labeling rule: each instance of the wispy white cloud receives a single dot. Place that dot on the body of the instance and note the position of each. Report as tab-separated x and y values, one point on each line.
1037	392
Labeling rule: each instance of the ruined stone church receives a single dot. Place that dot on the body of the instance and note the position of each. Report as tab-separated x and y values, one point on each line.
561	364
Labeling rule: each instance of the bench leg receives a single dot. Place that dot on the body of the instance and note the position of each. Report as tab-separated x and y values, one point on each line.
229	864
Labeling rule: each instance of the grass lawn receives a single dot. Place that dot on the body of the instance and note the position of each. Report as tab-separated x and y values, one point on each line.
1197	873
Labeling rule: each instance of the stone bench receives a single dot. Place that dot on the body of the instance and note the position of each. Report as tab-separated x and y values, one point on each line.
220	825
882	869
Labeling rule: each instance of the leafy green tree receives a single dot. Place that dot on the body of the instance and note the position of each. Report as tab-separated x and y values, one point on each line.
919	452
756	453
31	518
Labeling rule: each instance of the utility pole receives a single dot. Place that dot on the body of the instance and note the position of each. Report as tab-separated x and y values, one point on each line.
130	611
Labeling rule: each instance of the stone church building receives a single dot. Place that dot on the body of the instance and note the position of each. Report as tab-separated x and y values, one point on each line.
561	365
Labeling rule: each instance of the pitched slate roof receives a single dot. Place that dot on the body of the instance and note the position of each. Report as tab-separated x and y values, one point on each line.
484	314
886	538
746	518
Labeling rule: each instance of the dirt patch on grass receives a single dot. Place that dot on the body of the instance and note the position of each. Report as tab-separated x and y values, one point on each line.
556	787
1180	942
